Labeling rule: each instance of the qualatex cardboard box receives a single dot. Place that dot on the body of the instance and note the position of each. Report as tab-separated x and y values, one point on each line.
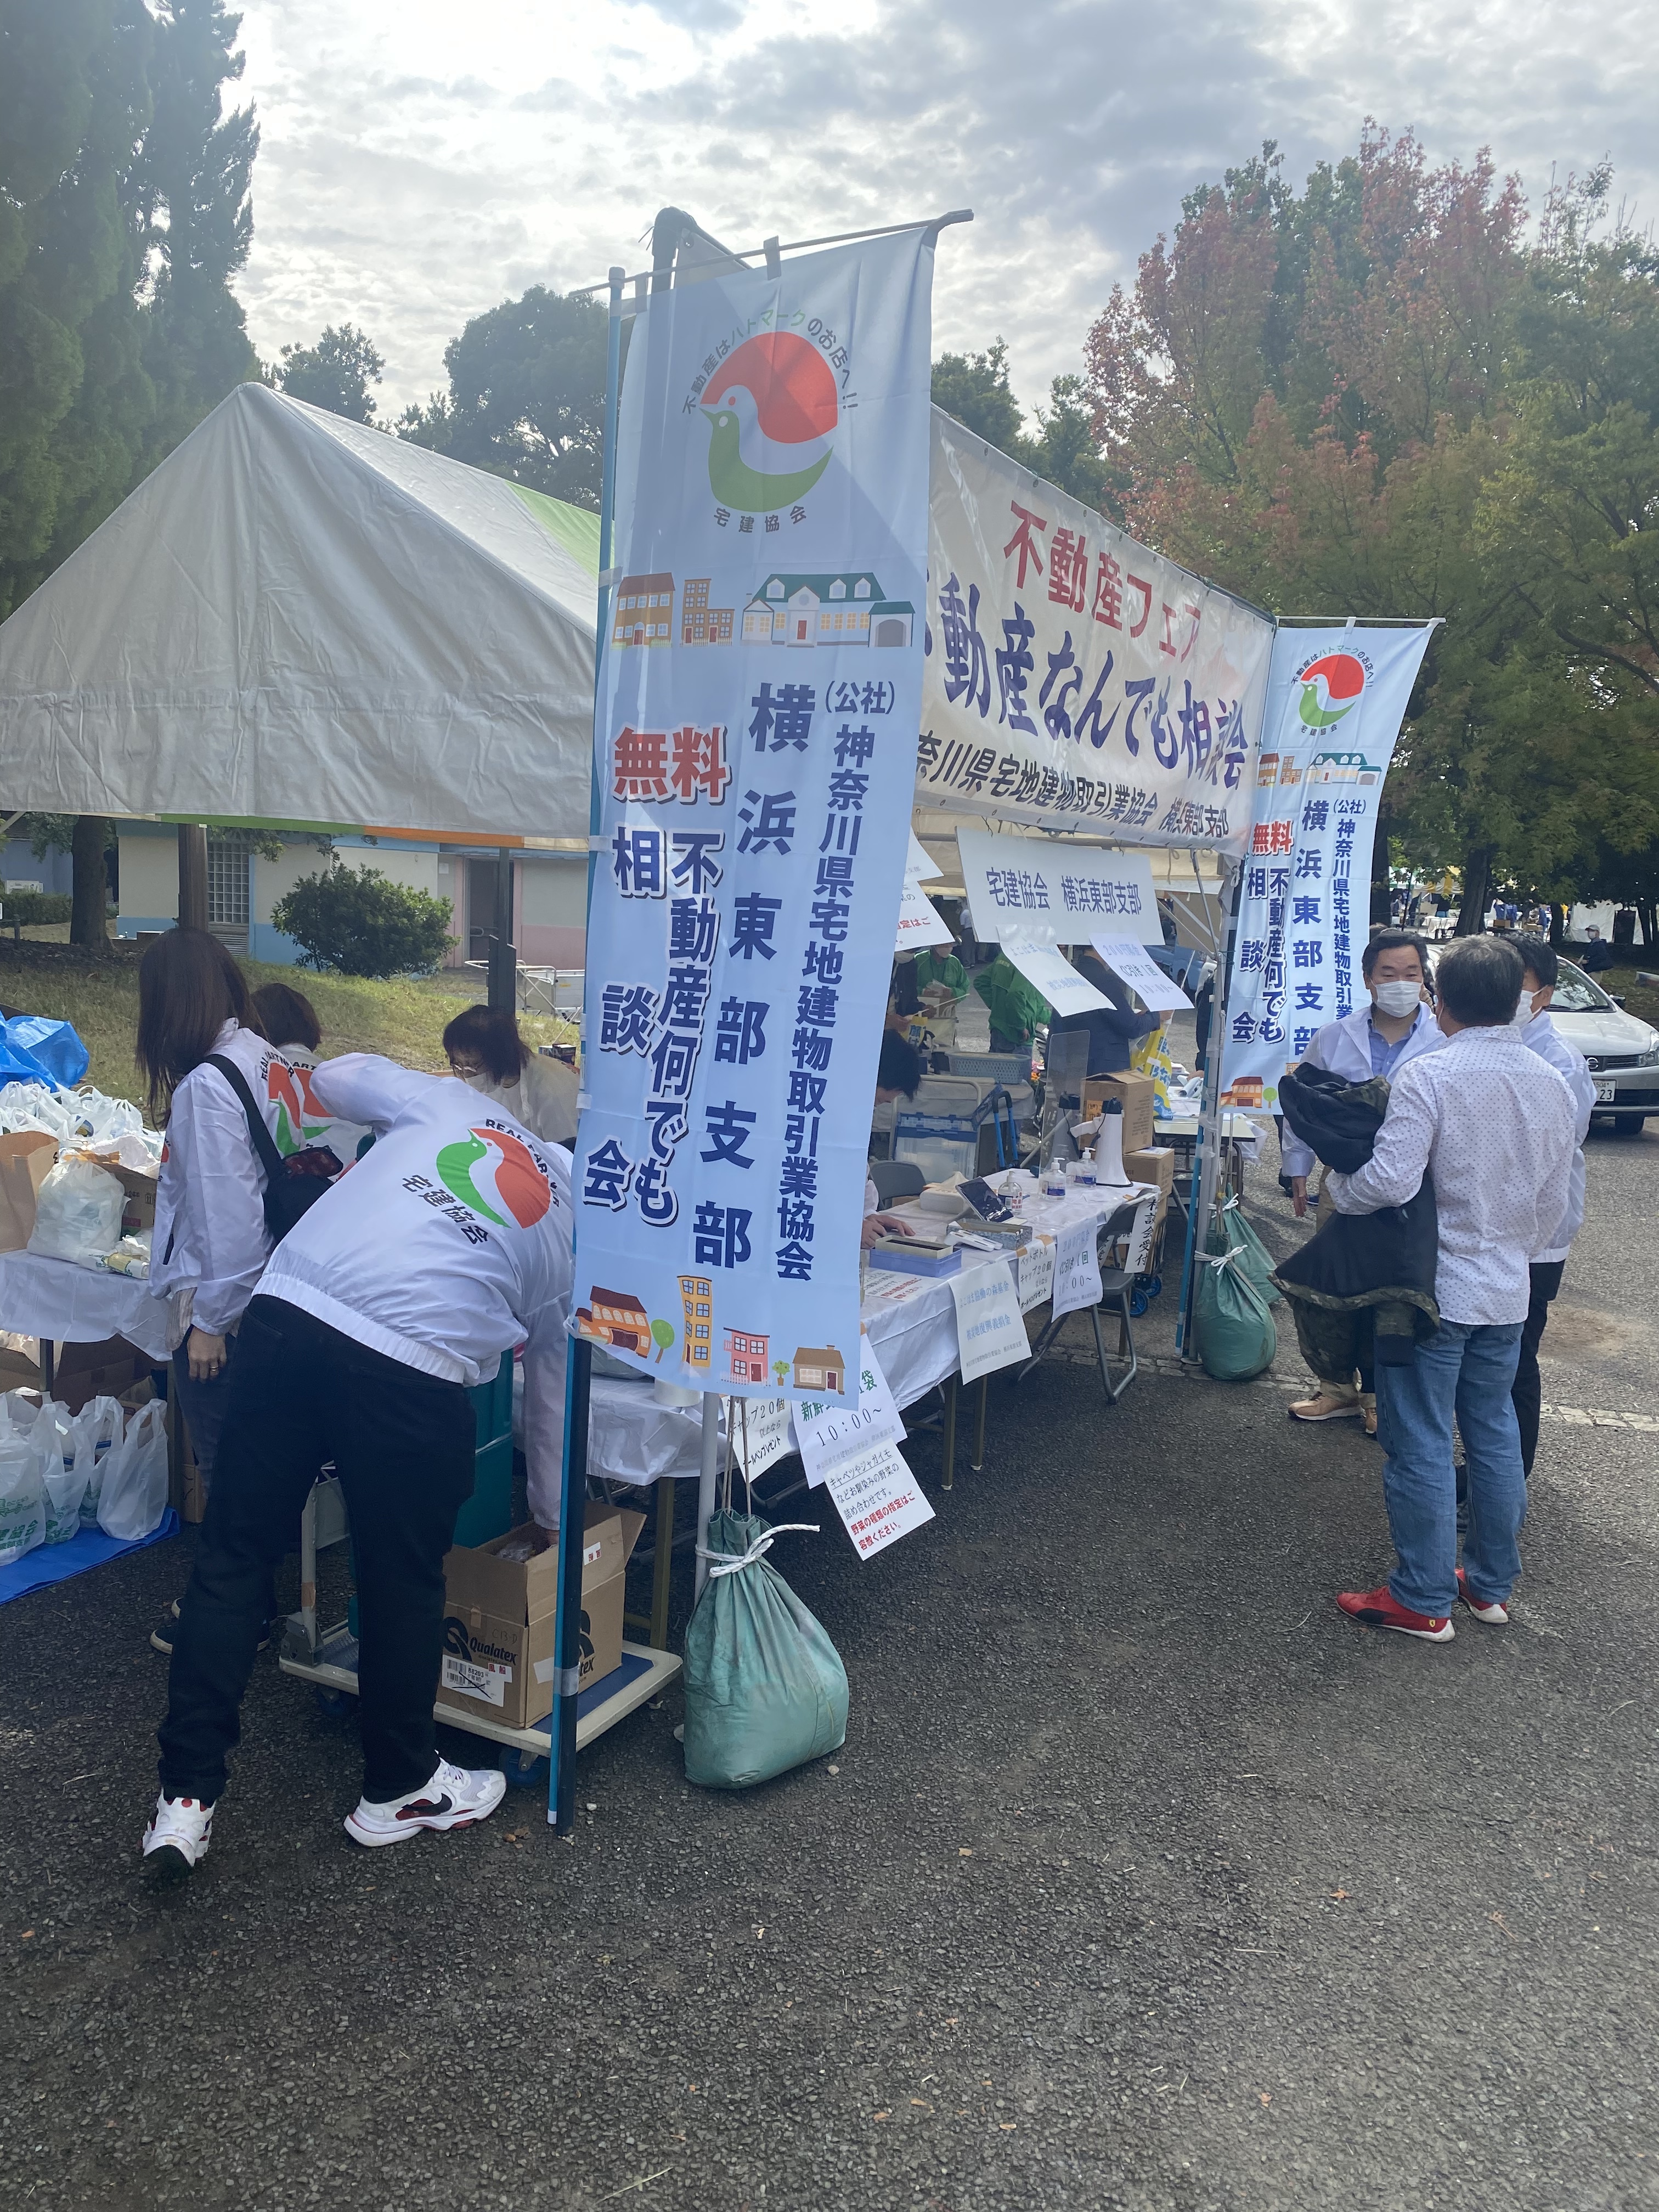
499	1617
1136	1093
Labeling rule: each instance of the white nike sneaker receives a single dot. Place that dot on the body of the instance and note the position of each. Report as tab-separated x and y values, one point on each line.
179	1832
454	1798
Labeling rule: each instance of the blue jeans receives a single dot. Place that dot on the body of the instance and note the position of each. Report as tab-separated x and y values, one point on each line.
1466	1370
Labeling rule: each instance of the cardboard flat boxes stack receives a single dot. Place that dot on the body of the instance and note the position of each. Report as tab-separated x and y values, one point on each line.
1134	1093
498	1652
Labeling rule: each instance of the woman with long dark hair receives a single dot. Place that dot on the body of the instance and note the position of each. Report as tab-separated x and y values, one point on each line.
485	1050
211	1240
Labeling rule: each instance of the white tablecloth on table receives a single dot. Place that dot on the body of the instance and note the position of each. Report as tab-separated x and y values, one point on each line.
911	1320
1244	1135
83	1305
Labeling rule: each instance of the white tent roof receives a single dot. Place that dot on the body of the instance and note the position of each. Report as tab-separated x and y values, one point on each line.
294	618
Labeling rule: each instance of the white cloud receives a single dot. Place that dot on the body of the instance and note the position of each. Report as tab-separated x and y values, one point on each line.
420	162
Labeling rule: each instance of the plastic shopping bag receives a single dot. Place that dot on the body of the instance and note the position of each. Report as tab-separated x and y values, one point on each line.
1236	1337
765	1689
78	1213
97	1428
135	1488
22	1496
62	1483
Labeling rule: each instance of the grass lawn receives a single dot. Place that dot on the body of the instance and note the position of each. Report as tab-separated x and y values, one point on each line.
45	974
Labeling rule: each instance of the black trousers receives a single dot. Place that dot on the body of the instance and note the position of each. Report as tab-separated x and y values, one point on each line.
403	1444
1528	1390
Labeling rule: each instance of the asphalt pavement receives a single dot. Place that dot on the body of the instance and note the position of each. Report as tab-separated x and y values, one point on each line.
1144	1879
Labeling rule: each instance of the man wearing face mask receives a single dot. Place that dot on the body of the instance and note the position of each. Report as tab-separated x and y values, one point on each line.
1379	1038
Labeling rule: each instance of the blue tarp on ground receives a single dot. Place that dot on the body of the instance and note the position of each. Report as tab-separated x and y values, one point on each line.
56	1563
35	1049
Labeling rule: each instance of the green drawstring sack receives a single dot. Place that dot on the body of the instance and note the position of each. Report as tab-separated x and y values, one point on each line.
765	1689
1256	1259
1236	1337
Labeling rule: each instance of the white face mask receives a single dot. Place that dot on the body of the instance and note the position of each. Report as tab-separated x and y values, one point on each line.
1522	1014
1397	998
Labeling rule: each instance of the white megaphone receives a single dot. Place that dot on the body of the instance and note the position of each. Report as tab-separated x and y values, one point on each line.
1108	1147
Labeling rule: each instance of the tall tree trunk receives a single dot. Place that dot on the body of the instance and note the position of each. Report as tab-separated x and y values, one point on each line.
192	876
1647	911
1477	888
89	911
1558	925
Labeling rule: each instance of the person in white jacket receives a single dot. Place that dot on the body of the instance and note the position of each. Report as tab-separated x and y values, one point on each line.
210	1242
448	1243
1539	1033
1380	1038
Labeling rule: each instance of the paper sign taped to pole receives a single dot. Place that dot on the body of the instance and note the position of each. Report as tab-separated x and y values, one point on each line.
920	920
761	1432
1132	965
827	1432
1048	967
877	1498
990	1327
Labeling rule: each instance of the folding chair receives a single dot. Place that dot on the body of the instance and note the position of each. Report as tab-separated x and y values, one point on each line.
1115	1285
895	1180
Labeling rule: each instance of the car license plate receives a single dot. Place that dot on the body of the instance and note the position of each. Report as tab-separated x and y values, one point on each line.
1605	1094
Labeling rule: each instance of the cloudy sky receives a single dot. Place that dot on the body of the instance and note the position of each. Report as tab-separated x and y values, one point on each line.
422	160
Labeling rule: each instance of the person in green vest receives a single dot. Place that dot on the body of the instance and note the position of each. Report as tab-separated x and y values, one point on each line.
1016	1006
938	963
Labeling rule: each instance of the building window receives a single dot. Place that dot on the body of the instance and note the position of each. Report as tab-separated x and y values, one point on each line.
228	851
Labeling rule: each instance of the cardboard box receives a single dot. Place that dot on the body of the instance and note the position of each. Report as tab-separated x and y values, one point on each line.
81	1371
139	1211
498	1652
1154	1166
25	1159
1135	1092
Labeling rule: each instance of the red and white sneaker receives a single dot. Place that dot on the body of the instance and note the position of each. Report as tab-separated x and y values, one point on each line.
178	1836
454	1798
1490	1612
1377	1608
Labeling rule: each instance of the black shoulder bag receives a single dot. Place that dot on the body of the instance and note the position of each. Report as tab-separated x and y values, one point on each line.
293	1185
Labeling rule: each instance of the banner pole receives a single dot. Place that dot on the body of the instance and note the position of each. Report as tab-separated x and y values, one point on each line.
572	1487
708	1469
1208	1152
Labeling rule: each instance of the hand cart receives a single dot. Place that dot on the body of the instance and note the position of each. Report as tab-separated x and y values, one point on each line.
327	1659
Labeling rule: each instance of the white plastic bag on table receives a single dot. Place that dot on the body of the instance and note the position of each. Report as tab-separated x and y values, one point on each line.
78	1213
97	1428
22	1496
134	1489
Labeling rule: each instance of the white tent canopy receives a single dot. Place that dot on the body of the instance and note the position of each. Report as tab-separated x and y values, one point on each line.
297	619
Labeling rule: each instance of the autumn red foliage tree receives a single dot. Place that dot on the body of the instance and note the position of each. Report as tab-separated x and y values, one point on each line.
1384	398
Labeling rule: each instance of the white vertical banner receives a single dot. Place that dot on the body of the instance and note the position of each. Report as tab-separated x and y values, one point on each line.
1336	700
755	753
